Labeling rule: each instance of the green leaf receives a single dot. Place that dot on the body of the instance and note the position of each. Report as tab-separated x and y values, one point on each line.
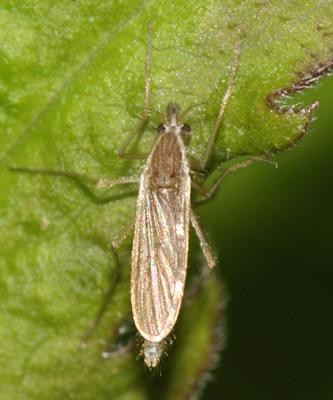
71	89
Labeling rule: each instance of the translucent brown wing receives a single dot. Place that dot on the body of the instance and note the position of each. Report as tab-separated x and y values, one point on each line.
160	246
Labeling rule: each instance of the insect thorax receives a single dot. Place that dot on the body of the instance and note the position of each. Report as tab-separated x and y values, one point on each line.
167	160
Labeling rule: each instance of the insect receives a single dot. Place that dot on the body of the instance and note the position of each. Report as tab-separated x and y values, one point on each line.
163	217
160	245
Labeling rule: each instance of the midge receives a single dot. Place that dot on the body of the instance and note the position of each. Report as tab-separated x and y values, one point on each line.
160	245
163	216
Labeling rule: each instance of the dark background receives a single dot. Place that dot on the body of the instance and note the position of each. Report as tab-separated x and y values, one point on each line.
276	258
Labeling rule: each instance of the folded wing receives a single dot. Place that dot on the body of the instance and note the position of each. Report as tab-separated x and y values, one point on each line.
159	257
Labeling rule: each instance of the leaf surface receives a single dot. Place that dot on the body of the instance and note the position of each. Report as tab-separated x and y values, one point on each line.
71	89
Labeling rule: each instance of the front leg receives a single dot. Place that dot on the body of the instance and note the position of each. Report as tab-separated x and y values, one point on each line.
146	106
224	101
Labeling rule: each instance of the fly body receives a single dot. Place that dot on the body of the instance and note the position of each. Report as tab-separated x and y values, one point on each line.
160	245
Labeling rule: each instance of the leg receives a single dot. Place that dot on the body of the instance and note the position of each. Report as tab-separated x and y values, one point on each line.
146	107
200	280
211	261
208	194
53	172
81	180
108	183
224	102
113	281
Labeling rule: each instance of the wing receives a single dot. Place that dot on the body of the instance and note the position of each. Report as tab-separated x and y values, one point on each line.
159	256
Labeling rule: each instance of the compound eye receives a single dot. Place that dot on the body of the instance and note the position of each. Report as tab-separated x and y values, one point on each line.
160	128
186	129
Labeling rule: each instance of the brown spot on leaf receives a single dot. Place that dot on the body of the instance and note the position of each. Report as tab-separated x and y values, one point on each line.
306	80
